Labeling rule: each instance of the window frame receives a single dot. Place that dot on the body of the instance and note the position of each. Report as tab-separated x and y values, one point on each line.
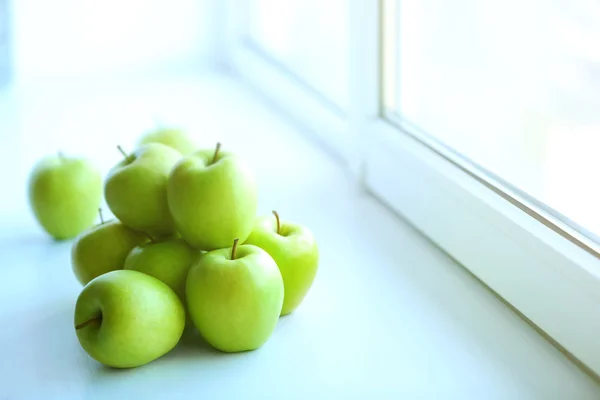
285	91
546	272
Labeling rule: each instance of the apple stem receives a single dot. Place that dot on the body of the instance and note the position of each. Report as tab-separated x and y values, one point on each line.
235	243
149	236
216	153
122	151
101	218
278	222
89	321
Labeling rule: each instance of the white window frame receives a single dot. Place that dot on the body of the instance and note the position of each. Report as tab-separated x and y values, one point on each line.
290	94
547	272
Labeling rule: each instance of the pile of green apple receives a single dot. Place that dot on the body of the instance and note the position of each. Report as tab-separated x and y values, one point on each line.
186	248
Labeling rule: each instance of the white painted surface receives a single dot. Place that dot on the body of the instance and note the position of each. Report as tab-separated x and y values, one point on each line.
549	279
276	70
324	123
310	38
389	316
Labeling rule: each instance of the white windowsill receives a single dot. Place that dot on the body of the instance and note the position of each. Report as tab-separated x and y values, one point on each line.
389	313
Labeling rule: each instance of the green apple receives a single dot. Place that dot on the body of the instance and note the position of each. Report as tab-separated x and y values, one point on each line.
136	189
172	137
64	194
294	249
212	197
234	297
125	319
168	260
102	249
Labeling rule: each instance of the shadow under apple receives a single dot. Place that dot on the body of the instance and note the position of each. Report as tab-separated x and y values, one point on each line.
191	347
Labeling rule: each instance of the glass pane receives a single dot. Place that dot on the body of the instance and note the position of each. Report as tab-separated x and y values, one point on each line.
307	37
513	86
